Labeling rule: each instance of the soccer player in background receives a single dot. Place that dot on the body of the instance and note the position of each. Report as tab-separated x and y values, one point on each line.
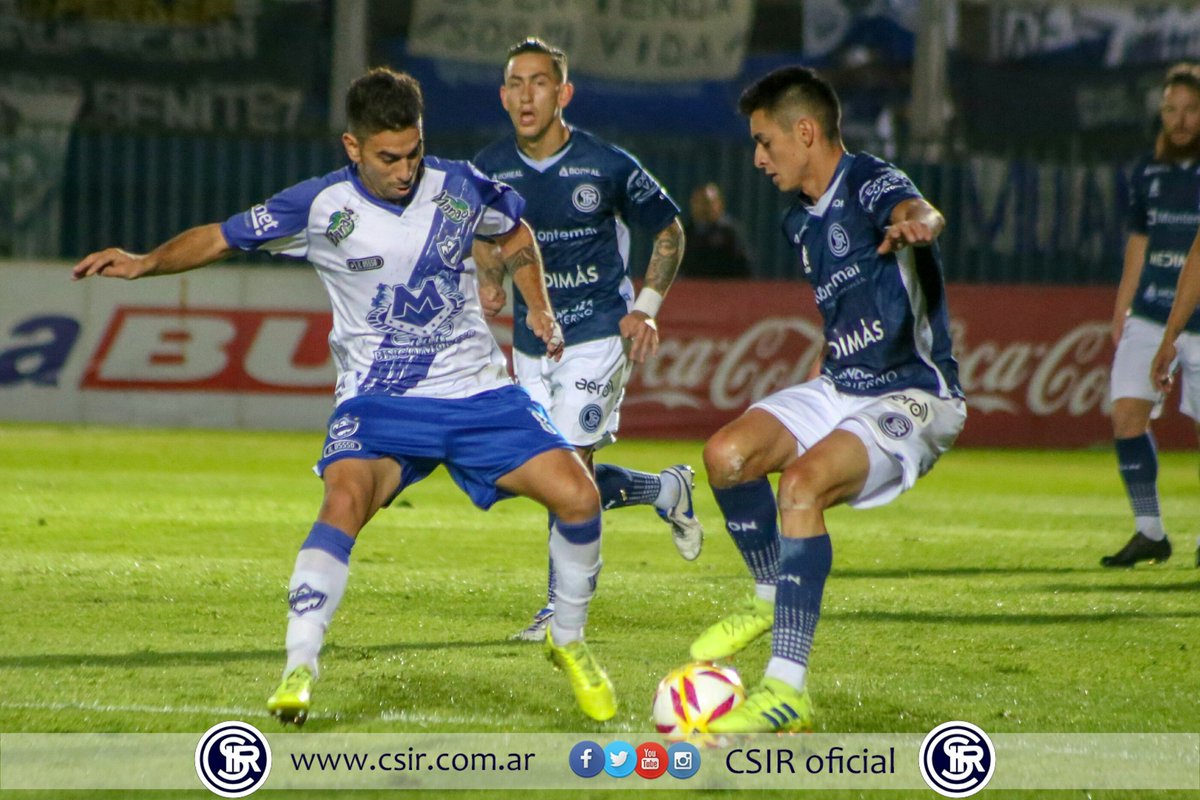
1162	222
580	193
887	403
421	381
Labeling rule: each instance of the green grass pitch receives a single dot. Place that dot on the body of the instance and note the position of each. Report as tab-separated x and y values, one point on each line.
144	575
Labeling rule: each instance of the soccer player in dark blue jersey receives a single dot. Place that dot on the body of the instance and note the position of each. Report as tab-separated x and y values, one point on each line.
1163	216
886	405
581	194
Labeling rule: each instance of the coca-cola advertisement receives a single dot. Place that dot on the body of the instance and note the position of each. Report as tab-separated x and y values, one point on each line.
1033	360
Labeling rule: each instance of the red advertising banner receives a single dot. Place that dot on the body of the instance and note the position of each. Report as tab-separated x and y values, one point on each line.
1034	361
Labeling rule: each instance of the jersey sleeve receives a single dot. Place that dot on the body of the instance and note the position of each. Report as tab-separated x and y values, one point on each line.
501	206
642	200
1136	215
278	225
882	189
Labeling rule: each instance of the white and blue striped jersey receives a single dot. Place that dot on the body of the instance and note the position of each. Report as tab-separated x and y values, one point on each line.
579	202
885	318
1164	205
406	313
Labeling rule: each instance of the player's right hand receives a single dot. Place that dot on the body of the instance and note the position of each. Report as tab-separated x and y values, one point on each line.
492	298
110	263
546	327
1161	372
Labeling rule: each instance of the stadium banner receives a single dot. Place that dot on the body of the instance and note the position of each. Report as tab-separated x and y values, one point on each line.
235	759
245	347
646	42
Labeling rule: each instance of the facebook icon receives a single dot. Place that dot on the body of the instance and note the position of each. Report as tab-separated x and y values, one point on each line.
586	759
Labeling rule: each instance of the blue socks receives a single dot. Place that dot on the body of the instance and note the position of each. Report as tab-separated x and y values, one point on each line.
1137	459
620	487
750	514
804	565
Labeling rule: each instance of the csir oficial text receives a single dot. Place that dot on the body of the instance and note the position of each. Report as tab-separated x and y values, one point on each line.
834	761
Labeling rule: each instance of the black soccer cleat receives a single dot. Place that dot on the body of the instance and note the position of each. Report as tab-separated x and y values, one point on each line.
1139	548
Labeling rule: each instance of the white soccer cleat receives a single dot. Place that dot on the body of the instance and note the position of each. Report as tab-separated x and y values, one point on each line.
536	631
686	530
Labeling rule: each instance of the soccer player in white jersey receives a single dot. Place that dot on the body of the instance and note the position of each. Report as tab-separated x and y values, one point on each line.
421	381
581	192
1163	217
886	405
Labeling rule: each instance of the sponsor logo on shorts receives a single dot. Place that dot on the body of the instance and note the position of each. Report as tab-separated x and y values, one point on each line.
344	427
594	387
915	408
896	426
590	417
340	447
364	264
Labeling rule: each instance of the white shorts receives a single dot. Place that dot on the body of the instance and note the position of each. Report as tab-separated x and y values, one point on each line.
905	433
1140	339
582	392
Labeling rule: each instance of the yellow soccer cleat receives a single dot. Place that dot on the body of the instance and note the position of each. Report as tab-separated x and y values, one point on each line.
773	707
735	632
291	700
593	690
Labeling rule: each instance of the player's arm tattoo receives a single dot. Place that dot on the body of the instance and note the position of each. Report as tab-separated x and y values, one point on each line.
664	261
526	256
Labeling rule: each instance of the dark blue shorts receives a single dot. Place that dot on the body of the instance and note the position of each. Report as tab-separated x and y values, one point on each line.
479	438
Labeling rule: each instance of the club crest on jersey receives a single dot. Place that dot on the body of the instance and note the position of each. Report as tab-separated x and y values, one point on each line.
455	208
839	240
586	198
414	312
341	225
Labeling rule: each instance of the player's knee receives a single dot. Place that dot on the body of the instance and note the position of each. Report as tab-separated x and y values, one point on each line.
724	461
580	500
801	489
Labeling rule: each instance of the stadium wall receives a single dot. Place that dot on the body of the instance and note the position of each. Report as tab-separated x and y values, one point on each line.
244	347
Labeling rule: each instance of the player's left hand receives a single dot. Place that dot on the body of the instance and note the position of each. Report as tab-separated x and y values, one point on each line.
642	332
901	234
546	327
1161	374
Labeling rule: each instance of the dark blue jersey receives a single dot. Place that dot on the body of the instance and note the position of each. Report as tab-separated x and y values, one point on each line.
1164	205
579	202
886	323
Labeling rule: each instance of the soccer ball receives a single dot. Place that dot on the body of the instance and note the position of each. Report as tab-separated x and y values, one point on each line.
693	695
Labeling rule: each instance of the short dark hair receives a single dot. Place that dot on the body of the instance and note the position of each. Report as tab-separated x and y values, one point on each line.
1183	75
784	92
383	100
535	45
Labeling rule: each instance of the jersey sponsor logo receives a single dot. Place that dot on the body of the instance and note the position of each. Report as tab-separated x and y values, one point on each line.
843	278
582	276
546	237
1156	216
344	427
839	240
586	198
401	310
507	175
456	209
304	598
862	337
575	314
1168	259
883	184
861	380
594	387
642	186
341	225
261	220
1154	187
572	172
590	417
364	264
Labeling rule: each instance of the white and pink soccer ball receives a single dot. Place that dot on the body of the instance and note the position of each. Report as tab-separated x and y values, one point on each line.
692	696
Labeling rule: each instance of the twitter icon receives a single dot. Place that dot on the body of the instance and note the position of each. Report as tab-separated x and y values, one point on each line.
619	759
